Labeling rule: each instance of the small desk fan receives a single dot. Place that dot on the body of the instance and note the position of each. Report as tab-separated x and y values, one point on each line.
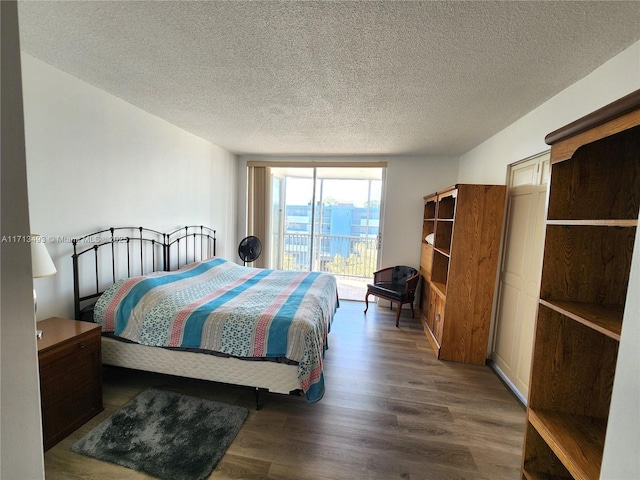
249	249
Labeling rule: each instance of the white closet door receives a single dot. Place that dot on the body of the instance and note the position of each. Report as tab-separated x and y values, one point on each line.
520	273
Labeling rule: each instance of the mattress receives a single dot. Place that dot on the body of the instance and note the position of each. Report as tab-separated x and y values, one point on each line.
233	311
271	376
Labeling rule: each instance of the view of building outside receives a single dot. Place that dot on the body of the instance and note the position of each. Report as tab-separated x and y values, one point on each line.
332	225
345	240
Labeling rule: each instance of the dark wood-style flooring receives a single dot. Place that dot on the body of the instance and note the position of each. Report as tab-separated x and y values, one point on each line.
391	411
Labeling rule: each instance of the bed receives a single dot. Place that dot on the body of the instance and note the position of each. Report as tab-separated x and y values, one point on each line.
168	304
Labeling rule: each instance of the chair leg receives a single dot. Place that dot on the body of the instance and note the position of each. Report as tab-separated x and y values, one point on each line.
412	314
366	302
398	315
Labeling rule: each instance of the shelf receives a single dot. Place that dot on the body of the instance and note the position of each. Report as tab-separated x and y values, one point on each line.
539	462
590	186
573	366
429	208
444	234
593	202
446	207
440	269
576	440
440	288
594	223
542	476
606	319
588	264
461	268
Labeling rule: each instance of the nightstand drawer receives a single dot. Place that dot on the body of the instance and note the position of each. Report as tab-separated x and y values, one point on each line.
80	345
70	379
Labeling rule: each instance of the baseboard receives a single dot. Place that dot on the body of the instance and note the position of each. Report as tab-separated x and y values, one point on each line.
508	383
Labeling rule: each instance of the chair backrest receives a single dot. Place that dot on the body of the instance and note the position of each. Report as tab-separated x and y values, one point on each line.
402	273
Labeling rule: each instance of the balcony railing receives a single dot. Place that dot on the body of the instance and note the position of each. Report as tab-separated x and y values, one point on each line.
345	255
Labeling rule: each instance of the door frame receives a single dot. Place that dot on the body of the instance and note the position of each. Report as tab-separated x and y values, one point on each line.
533	171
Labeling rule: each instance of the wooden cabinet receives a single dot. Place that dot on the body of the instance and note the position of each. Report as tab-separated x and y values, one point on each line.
461	233
594	201
69	357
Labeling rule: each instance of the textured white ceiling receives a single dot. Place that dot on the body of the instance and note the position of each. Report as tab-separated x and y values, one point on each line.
332	78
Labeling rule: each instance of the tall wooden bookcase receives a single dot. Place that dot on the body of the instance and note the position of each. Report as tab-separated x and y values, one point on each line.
459	268
594	200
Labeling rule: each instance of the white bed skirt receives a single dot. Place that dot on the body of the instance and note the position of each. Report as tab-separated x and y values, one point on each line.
272	376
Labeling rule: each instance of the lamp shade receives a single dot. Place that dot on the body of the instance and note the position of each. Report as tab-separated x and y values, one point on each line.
41	263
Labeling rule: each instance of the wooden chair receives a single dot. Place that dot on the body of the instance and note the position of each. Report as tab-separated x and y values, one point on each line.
396	284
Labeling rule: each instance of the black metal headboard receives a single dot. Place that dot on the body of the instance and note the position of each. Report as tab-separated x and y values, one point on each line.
123	252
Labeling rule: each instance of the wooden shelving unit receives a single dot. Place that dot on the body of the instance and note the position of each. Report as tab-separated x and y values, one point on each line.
594	201
459	268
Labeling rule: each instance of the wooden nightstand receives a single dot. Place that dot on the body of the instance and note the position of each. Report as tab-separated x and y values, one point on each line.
70	362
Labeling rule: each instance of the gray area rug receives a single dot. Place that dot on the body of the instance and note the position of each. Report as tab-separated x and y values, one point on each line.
165	434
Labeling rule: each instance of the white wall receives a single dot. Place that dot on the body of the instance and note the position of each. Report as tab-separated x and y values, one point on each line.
95	161
21	436
487	163
408	179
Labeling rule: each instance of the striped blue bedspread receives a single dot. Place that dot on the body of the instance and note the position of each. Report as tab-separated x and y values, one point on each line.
224	307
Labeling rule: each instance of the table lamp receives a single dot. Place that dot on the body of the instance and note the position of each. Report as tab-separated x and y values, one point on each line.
41	266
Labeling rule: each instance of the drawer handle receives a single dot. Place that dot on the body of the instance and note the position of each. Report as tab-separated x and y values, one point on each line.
81	345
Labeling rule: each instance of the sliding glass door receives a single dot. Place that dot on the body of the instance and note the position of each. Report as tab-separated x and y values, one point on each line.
294	238
327	219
